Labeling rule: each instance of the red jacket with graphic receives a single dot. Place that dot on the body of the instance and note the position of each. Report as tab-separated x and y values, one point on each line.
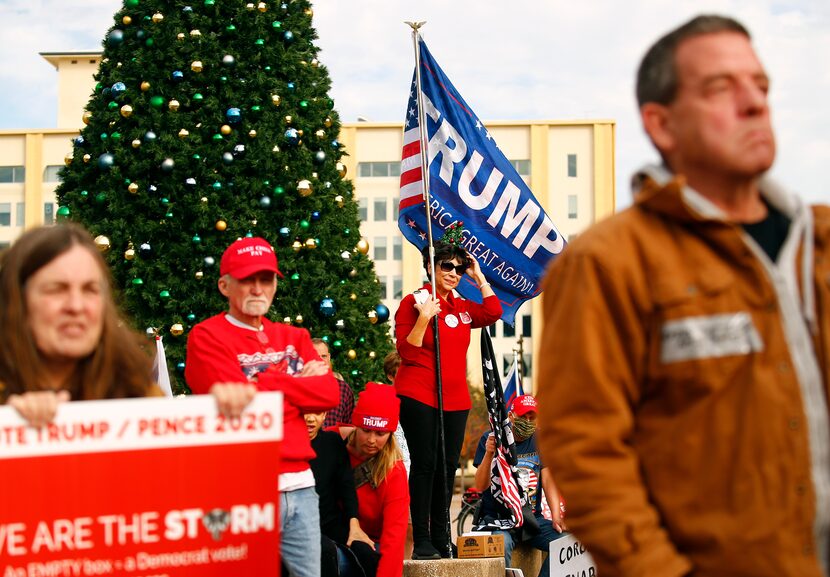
271	359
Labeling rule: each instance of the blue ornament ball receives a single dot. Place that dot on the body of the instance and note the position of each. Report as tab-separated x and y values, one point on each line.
228	60
327	307
209	261
319	157
239	150
115	37
288	36
177	76
315	215
79	141
292	136
291	86
118	89
227	158
383	313
234	115
106	161
180	368
168	164
265	201
285	232
149	136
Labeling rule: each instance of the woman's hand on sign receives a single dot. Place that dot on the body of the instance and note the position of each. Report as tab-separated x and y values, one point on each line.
38	408
232	398
428	309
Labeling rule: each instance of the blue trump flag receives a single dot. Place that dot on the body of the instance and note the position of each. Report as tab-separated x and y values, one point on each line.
471	181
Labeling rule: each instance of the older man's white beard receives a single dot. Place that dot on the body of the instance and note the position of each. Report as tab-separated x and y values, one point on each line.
255	307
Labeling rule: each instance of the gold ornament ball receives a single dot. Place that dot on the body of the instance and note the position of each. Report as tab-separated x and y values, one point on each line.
199	275
183	133
180	36
196	66
363	246
304	188
158	17
352	354
250	6
252	133
339	200
195	34
86	117
315	63
133	188
275	150
126	20
275	99
353	273
372	354
297	246
327	122
286	320
298	319
129	254
102	242
341	169
145	86
203	200
373	317
221	225
311	244
262	7
67	160
309	12
288	118
353	297
321	134
87	157
173	105
136	143
126	111
225	129
177	330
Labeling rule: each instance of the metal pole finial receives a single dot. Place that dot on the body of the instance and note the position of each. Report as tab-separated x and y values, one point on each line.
415	25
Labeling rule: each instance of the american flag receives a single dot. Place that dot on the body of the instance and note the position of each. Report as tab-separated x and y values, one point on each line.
412	188
513	388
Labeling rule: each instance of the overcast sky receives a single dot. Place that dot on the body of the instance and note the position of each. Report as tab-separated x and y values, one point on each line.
523	59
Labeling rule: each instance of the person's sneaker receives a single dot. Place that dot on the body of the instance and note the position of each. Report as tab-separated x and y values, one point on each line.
445	554
425	551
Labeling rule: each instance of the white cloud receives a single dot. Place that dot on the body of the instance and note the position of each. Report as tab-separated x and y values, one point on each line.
522	59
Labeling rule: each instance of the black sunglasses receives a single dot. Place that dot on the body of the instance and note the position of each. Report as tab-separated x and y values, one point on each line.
447	266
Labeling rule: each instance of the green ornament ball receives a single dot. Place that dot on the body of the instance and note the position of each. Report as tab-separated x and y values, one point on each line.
131	3
165	294
157	101
137	282
63	213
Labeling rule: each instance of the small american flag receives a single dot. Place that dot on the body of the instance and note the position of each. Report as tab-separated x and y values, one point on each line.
412	188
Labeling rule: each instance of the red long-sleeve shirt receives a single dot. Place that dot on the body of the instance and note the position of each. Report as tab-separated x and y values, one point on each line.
221	352
416	375
383	514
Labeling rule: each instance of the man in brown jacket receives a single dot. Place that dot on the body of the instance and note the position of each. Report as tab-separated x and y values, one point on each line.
686	351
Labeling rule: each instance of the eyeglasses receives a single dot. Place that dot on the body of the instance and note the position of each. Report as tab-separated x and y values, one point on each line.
448	266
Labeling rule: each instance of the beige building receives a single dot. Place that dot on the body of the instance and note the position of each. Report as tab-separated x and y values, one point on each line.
569	165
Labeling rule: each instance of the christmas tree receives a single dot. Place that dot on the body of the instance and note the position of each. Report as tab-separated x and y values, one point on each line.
211	121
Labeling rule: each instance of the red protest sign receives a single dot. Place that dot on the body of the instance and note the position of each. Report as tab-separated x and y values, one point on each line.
146	487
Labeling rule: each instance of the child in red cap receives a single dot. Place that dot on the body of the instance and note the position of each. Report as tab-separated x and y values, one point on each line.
379	474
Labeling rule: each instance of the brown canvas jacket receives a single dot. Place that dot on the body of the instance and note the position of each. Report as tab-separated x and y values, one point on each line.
675	458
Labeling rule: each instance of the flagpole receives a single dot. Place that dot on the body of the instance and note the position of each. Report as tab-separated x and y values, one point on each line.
425	180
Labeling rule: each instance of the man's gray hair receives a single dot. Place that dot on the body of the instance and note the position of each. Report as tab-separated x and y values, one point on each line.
657	76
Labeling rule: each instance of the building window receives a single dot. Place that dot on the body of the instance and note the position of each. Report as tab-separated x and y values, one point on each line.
48	213
397	287
521	166
382	283
492	330
397	248
363	208
379	169
380	248
380	209
527	326
5	214
4	245
21	214
572	165
12	174
396	208
571	206
50	173
507	330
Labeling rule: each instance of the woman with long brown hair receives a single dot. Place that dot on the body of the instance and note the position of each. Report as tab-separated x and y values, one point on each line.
61	335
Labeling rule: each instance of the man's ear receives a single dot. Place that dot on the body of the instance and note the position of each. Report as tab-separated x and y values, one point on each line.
657	124
223	285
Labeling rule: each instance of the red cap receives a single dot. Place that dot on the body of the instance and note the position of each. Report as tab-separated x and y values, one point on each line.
248	256
378	408
523	405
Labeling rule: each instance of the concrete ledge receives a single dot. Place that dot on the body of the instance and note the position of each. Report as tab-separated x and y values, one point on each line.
528	559
490	567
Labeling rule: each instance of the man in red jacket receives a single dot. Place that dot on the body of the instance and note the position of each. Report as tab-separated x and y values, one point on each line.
242	346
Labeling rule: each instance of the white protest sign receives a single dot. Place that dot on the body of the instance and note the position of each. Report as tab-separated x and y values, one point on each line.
568	558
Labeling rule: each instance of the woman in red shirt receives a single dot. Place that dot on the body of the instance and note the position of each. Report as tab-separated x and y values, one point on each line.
416	386
380	477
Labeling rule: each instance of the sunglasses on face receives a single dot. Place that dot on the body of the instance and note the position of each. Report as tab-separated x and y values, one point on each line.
447	266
